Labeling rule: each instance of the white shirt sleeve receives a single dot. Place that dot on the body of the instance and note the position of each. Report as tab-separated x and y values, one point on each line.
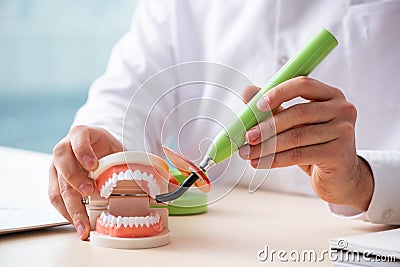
385	203
143	51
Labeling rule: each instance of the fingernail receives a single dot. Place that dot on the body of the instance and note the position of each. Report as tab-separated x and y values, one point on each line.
88	162
86	189
252	135
263	103
81	229
244	151
254	163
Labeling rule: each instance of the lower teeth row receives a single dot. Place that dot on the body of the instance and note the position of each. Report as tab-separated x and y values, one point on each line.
129	221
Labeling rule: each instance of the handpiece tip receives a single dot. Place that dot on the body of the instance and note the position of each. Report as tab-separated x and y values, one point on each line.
179	191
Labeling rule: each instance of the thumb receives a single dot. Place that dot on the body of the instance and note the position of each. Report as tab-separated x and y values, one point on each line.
91	143
249	92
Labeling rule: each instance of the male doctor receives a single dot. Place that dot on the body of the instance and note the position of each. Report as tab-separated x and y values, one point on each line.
353	165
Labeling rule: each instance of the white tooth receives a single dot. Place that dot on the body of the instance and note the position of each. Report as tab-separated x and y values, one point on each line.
115	177
137	175
157	216
150	189
145	177
136	221
141	221
114	220
121	176
131	221
109	219
153	193
147	221
125	221
132	173
151	177
106	186
154	190
128	175
102	215
119	221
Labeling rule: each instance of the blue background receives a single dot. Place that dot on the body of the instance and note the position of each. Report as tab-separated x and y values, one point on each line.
50	53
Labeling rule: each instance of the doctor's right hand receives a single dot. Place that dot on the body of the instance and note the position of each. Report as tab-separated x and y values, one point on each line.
73	158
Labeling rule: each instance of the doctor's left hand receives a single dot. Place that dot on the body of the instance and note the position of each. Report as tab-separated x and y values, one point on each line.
318	136
73	158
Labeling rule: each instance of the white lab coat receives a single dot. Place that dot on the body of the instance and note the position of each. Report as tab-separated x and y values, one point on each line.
256	38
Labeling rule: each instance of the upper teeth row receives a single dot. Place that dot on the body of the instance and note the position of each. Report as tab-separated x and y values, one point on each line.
109	185
153	218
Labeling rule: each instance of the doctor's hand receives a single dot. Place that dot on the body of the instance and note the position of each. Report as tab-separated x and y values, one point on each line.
73	158
318	136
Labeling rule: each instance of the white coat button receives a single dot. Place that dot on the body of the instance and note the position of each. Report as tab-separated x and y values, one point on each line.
387	214
282	60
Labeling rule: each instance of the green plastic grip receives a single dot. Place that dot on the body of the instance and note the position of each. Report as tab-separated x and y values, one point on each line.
230	139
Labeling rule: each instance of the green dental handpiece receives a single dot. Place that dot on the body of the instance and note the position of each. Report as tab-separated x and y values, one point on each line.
230	139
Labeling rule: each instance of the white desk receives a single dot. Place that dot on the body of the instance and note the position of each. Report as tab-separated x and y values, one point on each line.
231	233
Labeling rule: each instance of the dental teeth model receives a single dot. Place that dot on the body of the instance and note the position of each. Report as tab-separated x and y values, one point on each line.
120	213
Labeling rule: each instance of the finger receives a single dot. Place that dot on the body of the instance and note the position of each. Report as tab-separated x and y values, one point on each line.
278	109
82	147
76	209
304	87
69	168
55	195
296	137
90	143
294	116
249	92
309	155
299	114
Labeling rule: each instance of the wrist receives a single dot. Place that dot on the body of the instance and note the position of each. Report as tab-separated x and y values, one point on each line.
364	186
